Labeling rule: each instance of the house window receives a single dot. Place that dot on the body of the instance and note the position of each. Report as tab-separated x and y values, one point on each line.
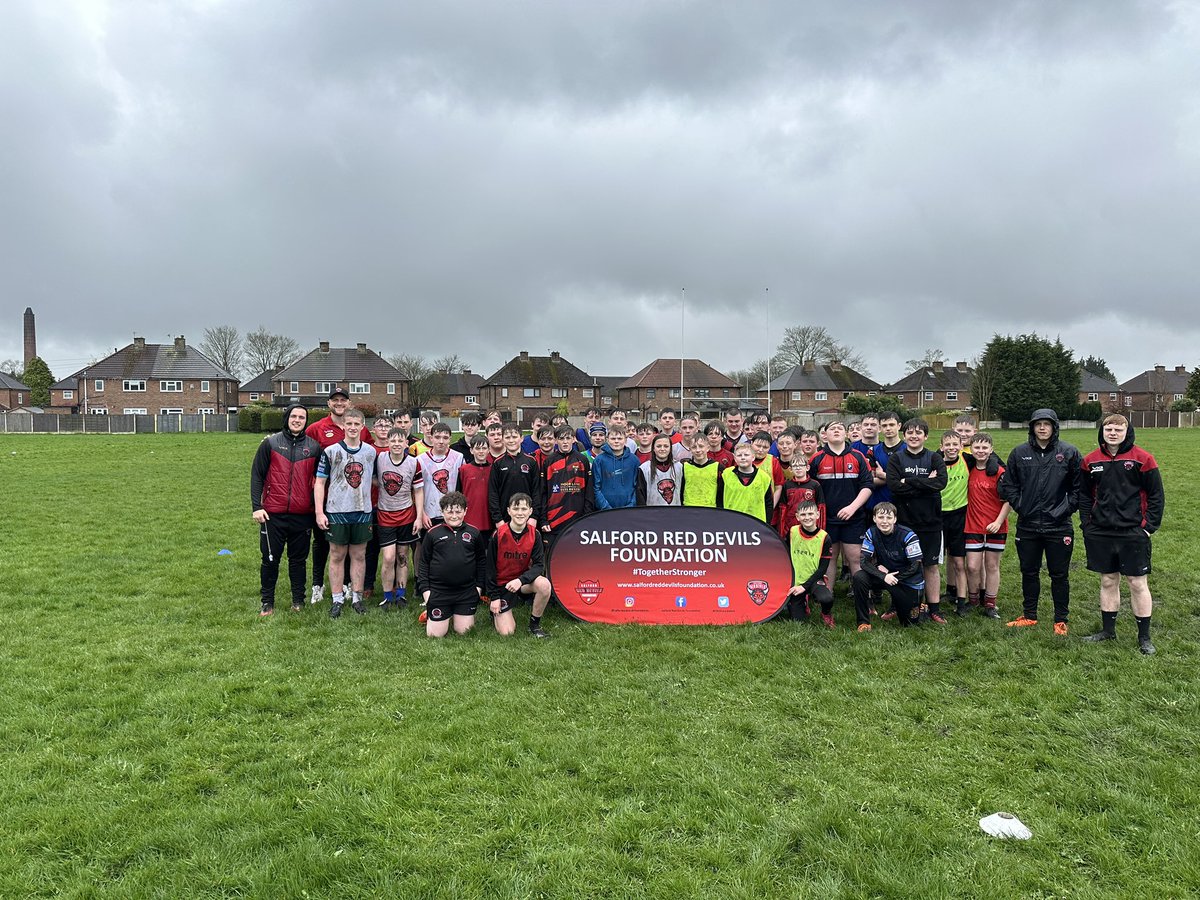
253	397
1093	397
322	387
900	398
129	385
724	392
928	396
607	401
951	395
68	395
471	400
702	392
98	387
651	393
558	392
589	393
170	411
206	409
531	392
360	387
391	387
821	395
1158	398
872	393
503	392
1112	395
99	411
130	411
294	387
171	387
204	387
797	395
20	399
845	395
1128	401
673	392
1178	396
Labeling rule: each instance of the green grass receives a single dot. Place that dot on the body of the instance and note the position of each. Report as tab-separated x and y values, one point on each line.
160	740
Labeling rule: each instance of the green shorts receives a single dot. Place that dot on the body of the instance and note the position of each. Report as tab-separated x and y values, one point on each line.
343	533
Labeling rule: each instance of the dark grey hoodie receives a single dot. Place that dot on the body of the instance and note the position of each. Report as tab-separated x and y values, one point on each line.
1043	485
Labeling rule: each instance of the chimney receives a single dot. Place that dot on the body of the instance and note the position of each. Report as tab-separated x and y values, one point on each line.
810	366
835	365
1159	370
30	337
554	357
324	346
180	343
961	365
139	343
938	367
524	356
362	349
1181	370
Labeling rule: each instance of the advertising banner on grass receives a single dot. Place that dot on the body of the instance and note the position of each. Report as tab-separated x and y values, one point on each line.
670	566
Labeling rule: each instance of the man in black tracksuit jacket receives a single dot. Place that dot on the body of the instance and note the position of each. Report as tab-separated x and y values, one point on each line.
1043	482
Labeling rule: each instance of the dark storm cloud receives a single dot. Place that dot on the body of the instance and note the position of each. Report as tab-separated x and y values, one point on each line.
536	175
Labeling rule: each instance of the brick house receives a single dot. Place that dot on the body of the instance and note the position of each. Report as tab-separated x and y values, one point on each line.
366	377
658	386
606	390
13	394
935	385
460	393
148	379
1095	389
1155	389
259	389
816	387
528	385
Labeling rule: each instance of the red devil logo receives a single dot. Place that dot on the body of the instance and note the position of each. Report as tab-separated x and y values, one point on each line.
441	480
392	483
354	474
666	487
757	591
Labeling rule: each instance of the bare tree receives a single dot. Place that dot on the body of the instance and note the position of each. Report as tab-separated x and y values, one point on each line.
804	342
223	345
262	350
450	364
12	367
755	377
425	382
985	370
931	355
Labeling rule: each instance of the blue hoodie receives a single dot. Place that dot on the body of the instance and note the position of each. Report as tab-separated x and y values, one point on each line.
615	479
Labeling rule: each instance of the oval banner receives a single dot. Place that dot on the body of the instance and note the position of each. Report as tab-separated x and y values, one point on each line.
670	566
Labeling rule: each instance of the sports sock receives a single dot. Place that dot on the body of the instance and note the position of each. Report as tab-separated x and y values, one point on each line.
388	596
1110	621
827	608
339	597
935	609
989	600
534	622
1143	623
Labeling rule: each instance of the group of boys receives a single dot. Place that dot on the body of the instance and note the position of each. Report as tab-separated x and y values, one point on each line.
476	519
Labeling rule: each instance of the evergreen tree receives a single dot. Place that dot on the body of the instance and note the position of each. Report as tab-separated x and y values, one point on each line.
1192	390
37	375
1028	372
1099	367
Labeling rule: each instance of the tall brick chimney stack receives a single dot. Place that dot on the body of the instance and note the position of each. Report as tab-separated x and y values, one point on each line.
30	336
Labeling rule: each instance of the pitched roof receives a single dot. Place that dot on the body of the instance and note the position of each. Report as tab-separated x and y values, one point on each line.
1153	381
262	383
8	383
70	383
462	384
1092	383
823	377
539	371
340	365
937	377
665	373
142	360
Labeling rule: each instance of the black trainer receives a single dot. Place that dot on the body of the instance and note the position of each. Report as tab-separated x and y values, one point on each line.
297	606
400	602
1100	636
335	610
538	632
1145	647
267	609
359	607
961	607
991	612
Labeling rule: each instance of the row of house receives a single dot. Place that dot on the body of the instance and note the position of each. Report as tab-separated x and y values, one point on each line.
177	378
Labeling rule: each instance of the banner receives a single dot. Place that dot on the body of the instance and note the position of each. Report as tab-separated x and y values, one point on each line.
670	566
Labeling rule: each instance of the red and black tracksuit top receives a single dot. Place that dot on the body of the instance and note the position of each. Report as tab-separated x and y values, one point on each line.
511	555
473	482
841	476
567	481
281	477
1122	493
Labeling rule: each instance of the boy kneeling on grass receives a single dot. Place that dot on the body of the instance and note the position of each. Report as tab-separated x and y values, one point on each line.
892	562
515	563
811	551
451	569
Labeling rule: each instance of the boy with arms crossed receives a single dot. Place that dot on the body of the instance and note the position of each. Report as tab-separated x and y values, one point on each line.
916	476
845	478
811	551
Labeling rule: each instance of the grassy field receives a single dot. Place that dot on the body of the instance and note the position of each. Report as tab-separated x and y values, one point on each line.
161	740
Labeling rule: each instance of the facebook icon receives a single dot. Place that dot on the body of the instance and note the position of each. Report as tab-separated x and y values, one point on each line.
681	602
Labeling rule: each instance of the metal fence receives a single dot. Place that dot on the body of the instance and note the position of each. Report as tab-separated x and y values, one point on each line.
47	423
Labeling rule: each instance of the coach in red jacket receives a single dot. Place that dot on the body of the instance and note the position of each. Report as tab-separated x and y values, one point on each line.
281	496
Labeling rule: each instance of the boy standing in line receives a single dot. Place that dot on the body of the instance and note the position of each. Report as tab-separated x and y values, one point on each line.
326	432
344	477
986	526
954	519
401	496
700	475
1121	507
529	443
515	563
845	478
439	474
473	478
568	485
591	416
597	440
614	473
515	472
470	422
746	487
916	477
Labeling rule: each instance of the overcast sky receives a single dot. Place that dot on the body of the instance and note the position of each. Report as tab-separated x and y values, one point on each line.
483	178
